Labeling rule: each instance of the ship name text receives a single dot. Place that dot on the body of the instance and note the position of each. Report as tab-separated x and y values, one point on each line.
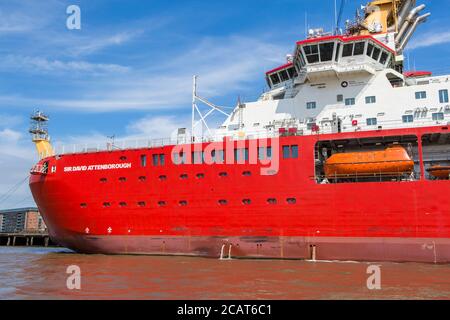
97	167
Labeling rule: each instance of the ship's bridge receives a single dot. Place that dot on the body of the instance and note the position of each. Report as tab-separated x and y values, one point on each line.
279	76
340	55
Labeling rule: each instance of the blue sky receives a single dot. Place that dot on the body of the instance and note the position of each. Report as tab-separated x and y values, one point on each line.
128	71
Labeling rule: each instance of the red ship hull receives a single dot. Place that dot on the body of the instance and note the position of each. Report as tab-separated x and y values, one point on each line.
370	221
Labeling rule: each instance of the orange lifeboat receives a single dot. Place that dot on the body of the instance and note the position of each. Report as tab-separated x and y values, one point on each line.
394	160
440	172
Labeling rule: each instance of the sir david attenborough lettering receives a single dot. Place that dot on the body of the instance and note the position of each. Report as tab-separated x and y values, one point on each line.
97	167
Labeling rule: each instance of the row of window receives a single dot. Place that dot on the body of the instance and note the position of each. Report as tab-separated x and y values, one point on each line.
183	203
340	98
282	76
443	98
407	118
443	95
323	52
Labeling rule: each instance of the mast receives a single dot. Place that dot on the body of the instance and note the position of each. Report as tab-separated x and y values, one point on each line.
39	134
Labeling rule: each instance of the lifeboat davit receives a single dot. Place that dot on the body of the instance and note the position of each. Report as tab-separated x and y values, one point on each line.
394	161
441	172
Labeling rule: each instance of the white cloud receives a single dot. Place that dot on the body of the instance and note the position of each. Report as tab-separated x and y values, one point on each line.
156	127
224	65
430	39
85	46
43	65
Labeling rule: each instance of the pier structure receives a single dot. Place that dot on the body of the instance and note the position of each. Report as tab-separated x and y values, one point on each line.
26	239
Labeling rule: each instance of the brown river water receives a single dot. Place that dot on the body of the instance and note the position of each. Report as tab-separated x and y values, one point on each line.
40	273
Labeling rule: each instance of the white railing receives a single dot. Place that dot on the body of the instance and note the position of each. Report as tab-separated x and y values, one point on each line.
92	147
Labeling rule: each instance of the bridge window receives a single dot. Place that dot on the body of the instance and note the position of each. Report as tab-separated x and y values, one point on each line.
376	53
421	95
438	116
162	159
384	57
371	121
348	50
408	118
284	75
338	48
312	53
359	48
370	48
286	152
292	72
371	99
443	96
326	51
311	105
275	79
349	101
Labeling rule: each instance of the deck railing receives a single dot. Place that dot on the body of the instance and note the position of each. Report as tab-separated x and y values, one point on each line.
302	129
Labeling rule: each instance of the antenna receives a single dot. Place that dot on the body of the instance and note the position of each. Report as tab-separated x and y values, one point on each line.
195	109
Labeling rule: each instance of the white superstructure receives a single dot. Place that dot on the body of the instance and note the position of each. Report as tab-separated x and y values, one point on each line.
344	83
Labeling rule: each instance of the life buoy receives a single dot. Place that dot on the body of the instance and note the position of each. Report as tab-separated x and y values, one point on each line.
344	84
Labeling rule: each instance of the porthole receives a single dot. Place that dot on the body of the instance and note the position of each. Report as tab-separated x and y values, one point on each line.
103	180
106	204
223	202
83	205
223	174
183	203
142	178
272	201
122	179
246	173
183	176
200	175
162	178
246	201
141	204
291	200
161	203
123	158
122	204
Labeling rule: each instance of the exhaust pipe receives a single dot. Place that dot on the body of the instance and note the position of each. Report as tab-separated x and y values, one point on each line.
407	6
409	20
410	32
